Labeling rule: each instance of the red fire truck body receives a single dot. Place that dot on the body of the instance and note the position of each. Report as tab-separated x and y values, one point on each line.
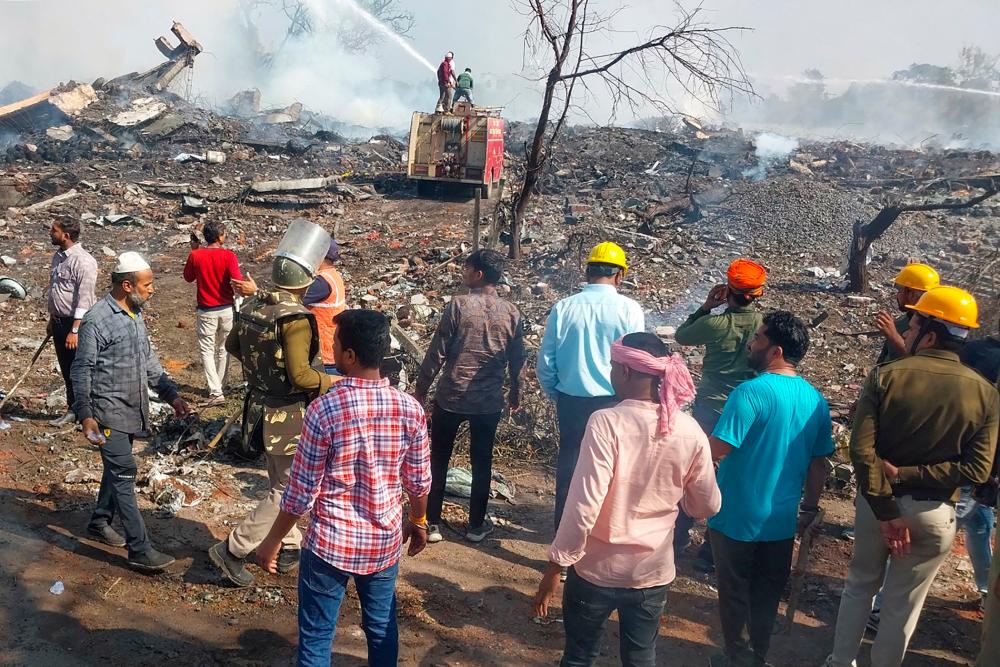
465	146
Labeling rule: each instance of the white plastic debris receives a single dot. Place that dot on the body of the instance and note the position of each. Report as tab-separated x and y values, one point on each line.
57	588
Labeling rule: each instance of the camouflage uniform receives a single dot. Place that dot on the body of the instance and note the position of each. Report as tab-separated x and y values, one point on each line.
269	337
272	395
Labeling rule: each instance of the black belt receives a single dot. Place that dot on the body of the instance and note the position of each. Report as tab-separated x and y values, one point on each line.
916	495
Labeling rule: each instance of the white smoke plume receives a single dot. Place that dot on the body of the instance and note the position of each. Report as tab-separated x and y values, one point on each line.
50	41
770	150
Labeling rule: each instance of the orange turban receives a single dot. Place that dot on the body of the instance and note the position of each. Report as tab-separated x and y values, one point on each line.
746	277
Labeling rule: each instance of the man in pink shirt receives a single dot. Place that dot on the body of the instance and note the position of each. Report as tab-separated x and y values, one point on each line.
640	461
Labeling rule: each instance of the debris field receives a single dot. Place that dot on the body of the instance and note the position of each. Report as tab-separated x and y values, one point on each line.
142	169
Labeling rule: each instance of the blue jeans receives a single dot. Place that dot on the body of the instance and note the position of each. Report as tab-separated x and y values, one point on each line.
586	608
977	522
321	590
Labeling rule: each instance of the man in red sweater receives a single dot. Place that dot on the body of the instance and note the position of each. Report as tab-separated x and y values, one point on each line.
213	267
446	83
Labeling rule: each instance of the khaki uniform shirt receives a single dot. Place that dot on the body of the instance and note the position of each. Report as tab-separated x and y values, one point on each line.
932	417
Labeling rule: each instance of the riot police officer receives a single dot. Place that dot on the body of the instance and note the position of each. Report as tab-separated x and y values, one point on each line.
276	339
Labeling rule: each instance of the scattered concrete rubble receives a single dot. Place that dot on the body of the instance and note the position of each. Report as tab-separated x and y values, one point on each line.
147	168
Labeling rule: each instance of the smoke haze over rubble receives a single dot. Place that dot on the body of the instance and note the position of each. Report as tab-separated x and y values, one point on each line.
48	41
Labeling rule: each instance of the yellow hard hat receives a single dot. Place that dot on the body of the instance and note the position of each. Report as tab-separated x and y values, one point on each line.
918	276
949	304
608	253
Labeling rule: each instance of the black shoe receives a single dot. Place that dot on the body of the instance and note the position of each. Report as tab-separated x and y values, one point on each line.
479	533
151	561
288	560
106	534
230	565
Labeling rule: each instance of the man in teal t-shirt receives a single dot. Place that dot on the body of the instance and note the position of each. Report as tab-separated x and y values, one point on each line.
773	438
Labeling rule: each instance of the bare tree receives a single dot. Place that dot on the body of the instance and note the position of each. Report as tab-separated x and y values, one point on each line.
353	33
864	234
697	57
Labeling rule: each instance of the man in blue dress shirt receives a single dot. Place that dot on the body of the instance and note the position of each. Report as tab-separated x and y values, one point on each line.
574	362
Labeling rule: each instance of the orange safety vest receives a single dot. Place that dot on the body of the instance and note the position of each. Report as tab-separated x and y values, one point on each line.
326	310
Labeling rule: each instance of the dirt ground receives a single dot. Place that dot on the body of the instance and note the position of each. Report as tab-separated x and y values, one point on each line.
459	604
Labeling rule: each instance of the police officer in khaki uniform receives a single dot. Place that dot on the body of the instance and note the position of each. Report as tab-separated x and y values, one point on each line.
276	339
925	426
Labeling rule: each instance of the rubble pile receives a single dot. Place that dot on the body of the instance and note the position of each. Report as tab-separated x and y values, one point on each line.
142	168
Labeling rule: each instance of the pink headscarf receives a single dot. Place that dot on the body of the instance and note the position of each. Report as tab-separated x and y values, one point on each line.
676	385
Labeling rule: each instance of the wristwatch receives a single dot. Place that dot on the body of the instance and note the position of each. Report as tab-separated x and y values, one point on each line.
75	330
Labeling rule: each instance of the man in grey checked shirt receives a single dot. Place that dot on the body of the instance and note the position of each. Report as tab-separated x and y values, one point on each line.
114	364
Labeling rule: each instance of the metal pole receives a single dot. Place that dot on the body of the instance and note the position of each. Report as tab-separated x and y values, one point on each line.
475	219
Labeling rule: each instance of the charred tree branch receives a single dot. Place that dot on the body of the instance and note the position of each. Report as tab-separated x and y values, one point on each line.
864	234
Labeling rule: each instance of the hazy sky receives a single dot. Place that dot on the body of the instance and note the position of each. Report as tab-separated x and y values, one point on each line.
844	39
48	41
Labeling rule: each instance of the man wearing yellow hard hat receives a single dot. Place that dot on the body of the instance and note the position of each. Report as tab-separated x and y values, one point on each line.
911	283
574	361
925	426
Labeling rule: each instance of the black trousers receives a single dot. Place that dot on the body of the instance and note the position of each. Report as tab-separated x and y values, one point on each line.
117	494
482	435
573	413
62	327
751	577
586	608
707	418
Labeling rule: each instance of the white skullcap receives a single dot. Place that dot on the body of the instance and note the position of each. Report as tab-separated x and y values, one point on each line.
130	262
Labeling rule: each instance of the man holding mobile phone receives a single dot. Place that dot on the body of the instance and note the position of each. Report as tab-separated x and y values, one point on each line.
725	337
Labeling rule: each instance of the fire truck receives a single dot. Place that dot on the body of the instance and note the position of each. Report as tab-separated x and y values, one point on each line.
465	146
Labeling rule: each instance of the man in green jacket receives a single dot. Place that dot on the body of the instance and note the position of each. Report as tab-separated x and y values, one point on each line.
725	337
463	86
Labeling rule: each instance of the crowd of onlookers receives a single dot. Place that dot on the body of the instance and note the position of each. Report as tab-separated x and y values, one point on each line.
633	473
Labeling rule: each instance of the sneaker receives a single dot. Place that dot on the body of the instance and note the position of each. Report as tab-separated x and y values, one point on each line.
230	565
106	534
151	561
873	619
288	560
434	534
479	533
65	420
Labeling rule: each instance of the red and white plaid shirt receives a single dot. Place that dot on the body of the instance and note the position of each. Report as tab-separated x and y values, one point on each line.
362	443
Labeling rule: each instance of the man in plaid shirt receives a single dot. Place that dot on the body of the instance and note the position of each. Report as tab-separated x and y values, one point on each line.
362	444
